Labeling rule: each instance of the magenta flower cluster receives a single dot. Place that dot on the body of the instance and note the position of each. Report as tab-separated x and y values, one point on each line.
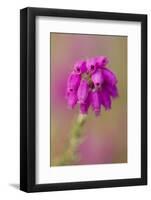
91	83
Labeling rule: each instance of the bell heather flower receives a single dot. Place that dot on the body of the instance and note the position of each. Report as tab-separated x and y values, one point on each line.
85	106
101	61
112	90
97	78
82	92
109	76
92	83
105	99
91	65
80	67
72	100
96	102
73	82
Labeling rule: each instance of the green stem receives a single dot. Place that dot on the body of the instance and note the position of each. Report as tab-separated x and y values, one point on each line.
69	155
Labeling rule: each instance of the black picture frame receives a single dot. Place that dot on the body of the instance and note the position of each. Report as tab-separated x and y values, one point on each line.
28	99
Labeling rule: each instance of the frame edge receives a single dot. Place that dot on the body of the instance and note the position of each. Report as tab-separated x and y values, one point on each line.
23	99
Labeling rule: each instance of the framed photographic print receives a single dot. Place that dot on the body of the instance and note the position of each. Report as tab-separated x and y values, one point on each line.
83	99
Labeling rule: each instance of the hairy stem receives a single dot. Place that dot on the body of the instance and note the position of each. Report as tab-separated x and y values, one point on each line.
69	155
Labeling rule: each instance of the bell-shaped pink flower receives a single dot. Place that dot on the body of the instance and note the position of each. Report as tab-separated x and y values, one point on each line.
109	76
97	78
96	102
101	61
91	83
105	99
72	100
91	65
73	82
80	67
85	106
112	89
82	92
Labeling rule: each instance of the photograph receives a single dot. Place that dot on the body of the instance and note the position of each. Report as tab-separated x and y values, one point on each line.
88	99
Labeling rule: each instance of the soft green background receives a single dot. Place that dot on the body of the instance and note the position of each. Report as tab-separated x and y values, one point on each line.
104	137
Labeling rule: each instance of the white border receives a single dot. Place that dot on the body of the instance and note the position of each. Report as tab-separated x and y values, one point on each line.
47	174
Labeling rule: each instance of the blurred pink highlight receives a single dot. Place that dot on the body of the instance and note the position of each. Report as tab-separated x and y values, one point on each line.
96	150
